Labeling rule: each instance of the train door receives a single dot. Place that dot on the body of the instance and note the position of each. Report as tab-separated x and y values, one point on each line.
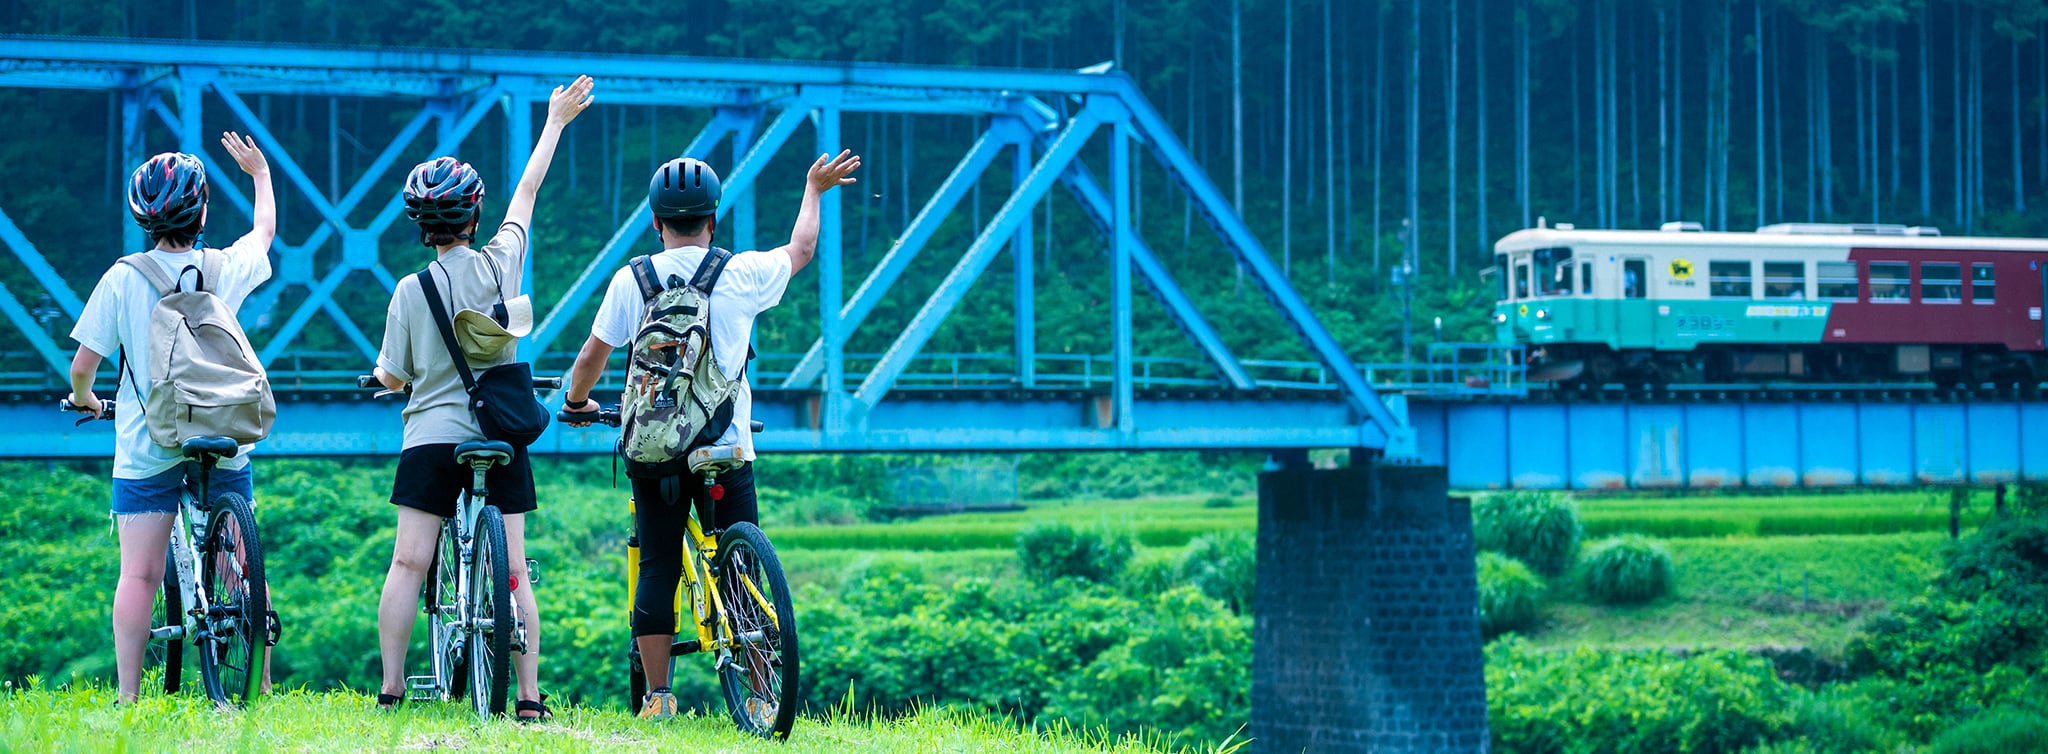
1632	320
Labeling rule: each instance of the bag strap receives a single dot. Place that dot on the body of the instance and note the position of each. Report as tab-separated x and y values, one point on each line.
210	261
643	273
151	271
709	269
441	321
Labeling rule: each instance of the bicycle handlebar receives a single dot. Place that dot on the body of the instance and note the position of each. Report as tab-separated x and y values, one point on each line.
610	417
369	382
106	410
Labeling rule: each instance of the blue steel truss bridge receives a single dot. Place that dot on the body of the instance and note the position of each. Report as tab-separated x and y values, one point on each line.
1086	140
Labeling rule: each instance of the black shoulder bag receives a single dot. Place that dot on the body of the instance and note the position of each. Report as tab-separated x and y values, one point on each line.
502	398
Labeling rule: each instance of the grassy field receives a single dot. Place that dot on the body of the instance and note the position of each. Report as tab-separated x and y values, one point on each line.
82	718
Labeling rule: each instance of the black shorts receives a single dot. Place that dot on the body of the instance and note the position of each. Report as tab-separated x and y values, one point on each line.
429	480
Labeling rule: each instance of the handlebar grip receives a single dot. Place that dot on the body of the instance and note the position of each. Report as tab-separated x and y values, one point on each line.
106	410
755	426
606	416
367	381
547	383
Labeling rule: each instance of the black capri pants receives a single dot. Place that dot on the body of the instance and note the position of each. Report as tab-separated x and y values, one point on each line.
661	519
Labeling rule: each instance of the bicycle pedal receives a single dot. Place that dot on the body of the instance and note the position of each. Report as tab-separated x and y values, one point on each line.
421	688
272	629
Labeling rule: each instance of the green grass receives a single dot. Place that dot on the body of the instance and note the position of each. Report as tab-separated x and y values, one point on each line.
82	718
1166	522
1776	515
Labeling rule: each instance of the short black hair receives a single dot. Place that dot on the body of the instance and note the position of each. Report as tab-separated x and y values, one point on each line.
686	225
184	236
439	235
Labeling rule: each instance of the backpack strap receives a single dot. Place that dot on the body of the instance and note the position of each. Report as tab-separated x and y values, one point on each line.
709	269
643	273
440	310
210	261
151	271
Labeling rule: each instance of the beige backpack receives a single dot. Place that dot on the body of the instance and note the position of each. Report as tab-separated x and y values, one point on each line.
204	378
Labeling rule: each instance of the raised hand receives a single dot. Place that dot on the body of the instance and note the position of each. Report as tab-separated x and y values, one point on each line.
565	104
244	150
830	172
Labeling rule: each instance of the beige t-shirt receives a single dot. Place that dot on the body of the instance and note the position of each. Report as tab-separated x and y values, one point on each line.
414	351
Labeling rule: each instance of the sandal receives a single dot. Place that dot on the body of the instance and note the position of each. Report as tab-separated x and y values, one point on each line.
543	714
389	702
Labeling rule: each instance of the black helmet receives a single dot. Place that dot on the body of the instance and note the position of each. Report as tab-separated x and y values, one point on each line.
167	194
442	191
683	187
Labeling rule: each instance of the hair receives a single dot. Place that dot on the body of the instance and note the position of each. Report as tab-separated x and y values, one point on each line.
438	235
185	236
686	225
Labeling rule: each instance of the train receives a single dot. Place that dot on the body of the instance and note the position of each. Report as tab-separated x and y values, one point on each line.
1795	302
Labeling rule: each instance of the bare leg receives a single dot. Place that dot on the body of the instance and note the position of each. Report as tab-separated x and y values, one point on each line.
526	666
144	537
654	658
418	532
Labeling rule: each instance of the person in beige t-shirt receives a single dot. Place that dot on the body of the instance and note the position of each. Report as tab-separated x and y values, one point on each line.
445	197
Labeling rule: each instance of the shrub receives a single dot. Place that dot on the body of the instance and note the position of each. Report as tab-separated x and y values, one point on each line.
1537	528
1628	569
2002	731
1222	565
1509	594
1052	551
1586	700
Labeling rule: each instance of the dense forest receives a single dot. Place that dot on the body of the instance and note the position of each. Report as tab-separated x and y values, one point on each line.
1327	122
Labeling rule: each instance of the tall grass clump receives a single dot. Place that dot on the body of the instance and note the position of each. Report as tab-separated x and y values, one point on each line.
1537	528
1222	566
2000	731
1628	569
1052	551
1509	594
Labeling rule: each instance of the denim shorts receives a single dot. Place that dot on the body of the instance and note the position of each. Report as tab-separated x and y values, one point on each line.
160	493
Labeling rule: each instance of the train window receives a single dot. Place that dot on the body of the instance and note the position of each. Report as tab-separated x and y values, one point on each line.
1941	282
1586	278
1553	270
1522	280
1837	281
1785	280
1891	281
1983	287
1634	278
1500	276
1728	279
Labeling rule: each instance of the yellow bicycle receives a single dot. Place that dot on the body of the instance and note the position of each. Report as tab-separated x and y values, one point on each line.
738	602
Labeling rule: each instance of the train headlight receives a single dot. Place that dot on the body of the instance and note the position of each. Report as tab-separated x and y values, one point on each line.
1543	314
1500	318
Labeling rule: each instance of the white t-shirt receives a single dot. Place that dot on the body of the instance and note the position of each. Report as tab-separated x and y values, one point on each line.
751	283
117	316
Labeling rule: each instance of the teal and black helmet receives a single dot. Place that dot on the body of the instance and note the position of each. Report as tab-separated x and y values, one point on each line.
683	187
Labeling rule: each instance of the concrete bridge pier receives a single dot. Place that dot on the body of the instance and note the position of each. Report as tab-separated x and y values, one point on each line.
1366	613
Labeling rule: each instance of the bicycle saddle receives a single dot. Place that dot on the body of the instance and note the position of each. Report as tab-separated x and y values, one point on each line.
718	458
491	451
200	448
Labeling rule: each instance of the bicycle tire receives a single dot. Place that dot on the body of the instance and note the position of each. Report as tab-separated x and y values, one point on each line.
438	601
763	672
636	677
237	620
490	592
168	610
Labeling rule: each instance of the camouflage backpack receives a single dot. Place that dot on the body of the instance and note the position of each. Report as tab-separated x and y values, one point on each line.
676	398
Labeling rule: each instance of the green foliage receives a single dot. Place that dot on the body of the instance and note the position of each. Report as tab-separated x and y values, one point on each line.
1510	594
1223	566
2000	731
1628	569
1538	528
1585	700
1055	550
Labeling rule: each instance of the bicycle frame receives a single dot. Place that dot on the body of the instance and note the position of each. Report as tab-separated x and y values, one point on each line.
463	529
187	530
698	589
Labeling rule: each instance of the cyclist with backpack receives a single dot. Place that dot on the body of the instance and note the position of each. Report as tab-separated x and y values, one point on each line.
684	393
167	196
445	198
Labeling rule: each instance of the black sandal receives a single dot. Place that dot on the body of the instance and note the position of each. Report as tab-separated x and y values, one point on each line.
389	702
540	707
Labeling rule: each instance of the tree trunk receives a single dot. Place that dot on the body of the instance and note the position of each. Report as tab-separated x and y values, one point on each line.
1862	170
1287	140
1479	109
1827	142
1451	146
1893	126
1577	156
1414	218
1635	133
1678	115
1961	132
1349	157
1663	121
1379	108
1777	84
1600	94
1813	156
1329	157
1237	108
1762	174
1926	62
1522	111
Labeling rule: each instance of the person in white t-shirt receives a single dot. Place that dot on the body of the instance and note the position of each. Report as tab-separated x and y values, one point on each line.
683	198
167	197
445	197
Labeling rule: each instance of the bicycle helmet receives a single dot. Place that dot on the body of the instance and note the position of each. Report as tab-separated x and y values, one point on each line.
167	194
683	187
443	191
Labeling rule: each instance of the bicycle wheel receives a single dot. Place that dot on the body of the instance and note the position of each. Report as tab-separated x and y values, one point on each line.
168	610
237	614
490	606
439	600
761	682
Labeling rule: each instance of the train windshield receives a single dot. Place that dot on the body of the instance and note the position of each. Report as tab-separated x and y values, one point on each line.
1553	269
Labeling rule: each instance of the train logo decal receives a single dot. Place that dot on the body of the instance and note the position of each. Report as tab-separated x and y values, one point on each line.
1681	269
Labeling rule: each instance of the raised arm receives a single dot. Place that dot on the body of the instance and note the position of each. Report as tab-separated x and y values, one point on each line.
563	106
827	173
251	160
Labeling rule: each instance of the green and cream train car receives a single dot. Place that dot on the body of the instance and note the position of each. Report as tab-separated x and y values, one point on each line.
1799	302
